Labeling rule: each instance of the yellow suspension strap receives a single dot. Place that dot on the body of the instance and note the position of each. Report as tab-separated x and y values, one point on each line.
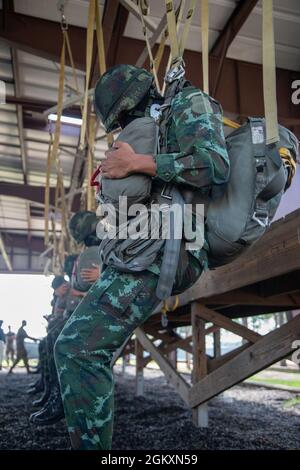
187	26
269	73
204	39
164	37
166	309
47	190
53	149
143	9
89	55
90	198
174	46
175	64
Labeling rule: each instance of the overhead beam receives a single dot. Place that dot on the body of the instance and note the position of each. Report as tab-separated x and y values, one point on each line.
16	76
21	32
234	24
34	193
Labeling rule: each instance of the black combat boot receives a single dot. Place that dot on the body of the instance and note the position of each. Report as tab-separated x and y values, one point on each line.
36	387
52	412
40	402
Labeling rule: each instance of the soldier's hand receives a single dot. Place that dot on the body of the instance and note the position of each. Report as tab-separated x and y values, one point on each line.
90	274
76	293
119	161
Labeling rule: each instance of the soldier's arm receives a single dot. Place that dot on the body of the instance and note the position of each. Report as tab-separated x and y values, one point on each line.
202	159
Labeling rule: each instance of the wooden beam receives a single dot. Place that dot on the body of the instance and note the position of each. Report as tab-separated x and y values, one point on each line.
275	254
16	75
171	374
233	26
199	413
139	369
223	322
266	351
42	37
134	9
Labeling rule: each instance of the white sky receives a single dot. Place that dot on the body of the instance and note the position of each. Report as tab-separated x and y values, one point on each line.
25	297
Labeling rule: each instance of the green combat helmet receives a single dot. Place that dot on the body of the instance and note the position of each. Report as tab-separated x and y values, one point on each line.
82	226
120	90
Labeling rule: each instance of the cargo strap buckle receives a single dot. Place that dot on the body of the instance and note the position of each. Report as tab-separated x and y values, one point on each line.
261	217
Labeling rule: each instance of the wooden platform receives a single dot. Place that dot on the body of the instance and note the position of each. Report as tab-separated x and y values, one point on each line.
265	279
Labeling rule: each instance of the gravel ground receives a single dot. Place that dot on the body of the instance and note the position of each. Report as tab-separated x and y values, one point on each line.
245	417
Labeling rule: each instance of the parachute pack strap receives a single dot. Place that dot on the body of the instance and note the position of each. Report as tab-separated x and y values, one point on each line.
269	73
204	40
187	25
89	54
90	163
143	12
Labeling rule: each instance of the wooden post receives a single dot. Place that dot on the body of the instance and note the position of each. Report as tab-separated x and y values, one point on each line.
199	413
139	369
217	343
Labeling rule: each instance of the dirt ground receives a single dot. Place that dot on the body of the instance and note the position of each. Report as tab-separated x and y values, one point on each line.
245	417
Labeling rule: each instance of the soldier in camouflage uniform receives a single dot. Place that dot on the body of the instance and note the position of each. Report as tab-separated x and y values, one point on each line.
118	302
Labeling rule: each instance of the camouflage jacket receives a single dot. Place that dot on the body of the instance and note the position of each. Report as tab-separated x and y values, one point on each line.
197	154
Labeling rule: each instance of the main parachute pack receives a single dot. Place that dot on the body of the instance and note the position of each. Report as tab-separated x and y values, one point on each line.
237	217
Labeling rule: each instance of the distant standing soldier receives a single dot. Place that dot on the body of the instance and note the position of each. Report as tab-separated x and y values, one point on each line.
2	343
10	349
21	350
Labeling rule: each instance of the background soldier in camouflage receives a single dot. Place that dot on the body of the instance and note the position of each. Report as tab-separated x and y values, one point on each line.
119	302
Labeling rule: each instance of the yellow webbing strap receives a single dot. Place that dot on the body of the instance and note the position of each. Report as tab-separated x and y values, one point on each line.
165	308
230	123
47	191
204	39
89	54
4	254
53	156
147	41
289	163
187	25
269	73
90	200
172	61
172	30
101	56
69	49
164	37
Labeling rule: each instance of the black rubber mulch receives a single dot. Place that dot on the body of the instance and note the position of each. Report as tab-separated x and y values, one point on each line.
243	418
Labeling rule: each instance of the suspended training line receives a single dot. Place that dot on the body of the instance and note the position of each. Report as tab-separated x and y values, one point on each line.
205	40
269	73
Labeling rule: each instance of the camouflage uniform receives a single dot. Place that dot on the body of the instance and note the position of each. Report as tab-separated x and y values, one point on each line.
119	302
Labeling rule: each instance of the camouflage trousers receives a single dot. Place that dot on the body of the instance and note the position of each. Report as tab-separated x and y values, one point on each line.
114	306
